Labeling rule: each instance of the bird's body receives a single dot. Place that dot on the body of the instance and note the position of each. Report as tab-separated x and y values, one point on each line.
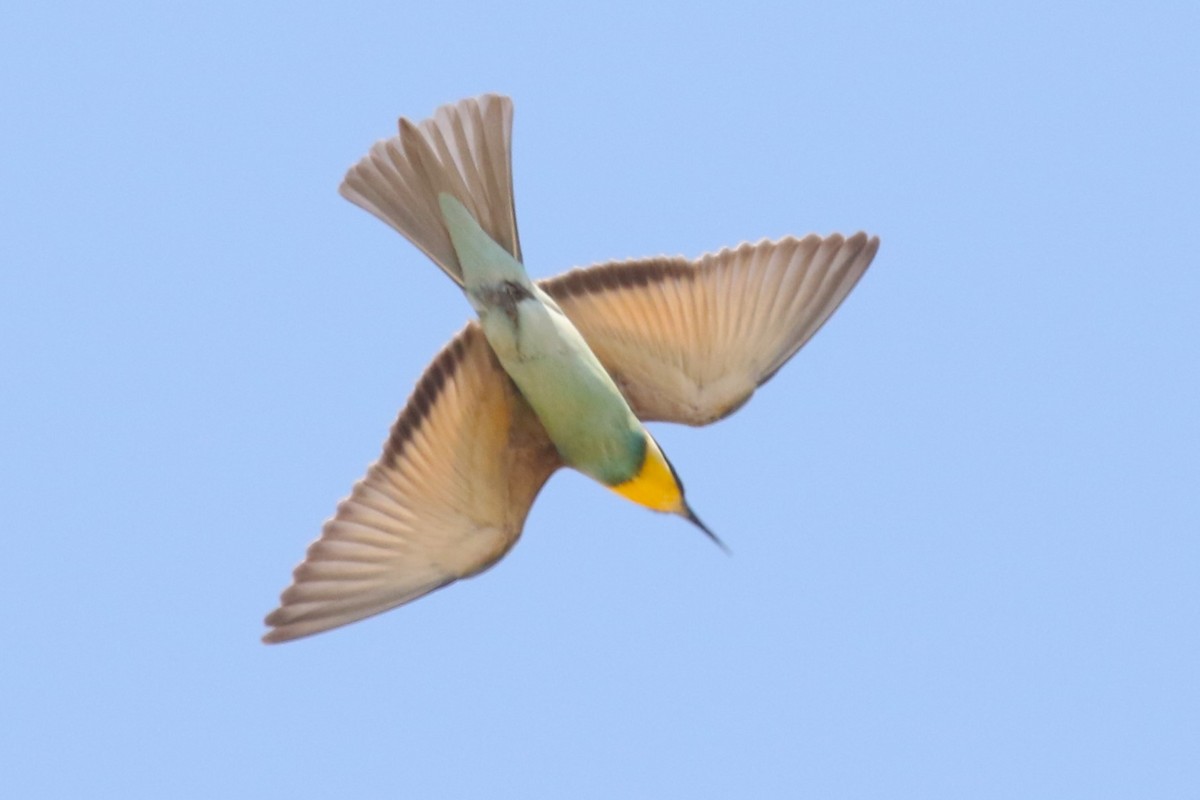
575	399
558	372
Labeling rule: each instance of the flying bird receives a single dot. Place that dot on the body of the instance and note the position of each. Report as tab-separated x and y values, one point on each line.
557	372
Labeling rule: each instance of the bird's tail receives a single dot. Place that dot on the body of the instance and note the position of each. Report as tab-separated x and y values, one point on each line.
464	150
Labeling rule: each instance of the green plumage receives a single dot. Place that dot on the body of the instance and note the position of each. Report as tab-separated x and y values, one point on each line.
575	399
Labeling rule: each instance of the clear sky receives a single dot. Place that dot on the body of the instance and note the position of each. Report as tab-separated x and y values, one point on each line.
965	519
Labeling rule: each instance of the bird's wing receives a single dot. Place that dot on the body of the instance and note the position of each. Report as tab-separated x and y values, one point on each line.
464	150
690	341
446	500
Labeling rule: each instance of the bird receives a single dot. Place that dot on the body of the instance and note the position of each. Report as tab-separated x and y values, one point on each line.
559	372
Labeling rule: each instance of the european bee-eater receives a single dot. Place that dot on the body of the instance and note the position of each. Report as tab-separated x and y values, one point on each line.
557	372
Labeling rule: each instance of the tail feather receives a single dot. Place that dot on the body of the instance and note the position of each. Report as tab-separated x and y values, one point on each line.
464	150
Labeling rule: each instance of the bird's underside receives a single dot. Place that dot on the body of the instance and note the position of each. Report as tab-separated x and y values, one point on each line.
685	341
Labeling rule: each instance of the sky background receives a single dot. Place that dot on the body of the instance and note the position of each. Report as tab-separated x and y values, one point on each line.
965	520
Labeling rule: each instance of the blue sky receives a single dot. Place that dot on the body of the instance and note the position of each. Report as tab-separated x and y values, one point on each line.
963	520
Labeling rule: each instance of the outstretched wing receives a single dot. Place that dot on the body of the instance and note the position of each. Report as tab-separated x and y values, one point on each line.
691	341
464	150
446	500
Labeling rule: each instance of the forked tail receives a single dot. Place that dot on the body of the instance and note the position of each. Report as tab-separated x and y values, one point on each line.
465	150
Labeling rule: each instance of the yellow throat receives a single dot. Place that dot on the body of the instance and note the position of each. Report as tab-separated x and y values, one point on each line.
655	485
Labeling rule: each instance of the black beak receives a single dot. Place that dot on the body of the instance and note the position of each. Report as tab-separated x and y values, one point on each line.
692	518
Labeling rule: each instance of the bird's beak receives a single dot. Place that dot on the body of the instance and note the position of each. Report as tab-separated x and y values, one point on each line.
691	517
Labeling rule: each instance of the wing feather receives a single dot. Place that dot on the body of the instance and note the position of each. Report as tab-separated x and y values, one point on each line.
691	341
446	500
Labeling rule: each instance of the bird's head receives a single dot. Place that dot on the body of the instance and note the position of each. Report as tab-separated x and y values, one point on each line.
657	486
